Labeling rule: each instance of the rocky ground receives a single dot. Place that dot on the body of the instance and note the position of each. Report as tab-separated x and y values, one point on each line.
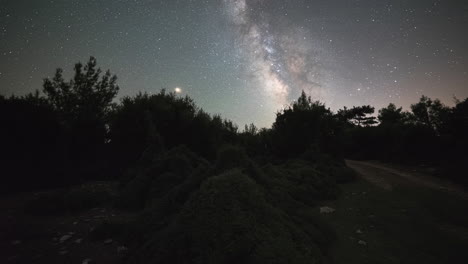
56	238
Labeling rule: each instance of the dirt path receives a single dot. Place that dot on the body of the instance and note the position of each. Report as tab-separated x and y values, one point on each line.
384	176
393	214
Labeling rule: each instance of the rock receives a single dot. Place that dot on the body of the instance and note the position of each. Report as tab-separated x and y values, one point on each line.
87	261
75	223
63	252
15	242
65	238
78	241
121	249
108	241
326	210
362	242
358	231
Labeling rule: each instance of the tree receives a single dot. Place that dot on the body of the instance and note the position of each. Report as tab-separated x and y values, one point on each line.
391	114
251	129
84	96
459	120
83	104
358	115
431	113
30	156
305	124
85	100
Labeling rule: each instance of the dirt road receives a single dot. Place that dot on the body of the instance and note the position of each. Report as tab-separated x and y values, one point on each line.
393	214
385	176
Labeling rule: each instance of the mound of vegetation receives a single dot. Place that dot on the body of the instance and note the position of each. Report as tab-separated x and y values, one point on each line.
229	220
230	211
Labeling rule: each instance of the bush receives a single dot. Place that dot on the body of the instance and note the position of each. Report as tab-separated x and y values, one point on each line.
167	172
229	220
87	196
230	157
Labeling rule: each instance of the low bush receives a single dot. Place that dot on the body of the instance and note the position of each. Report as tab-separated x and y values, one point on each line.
229	220
168	171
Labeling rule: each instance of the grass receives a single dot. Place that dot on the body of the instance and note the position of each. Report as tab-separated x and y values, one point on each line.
407	225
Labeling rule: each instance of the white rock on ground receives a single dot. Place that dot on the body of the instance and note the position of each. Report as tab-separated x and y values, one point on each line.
358	231
108	241
65	238
326	210
121	249
362	242
87	261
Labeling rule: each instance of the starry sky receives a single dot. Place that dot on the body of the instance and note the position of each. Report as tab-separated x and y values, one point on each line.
246	59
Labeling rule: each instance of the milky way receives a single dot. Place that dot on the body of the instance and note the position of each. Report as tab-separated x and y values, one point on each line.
245	59
277	61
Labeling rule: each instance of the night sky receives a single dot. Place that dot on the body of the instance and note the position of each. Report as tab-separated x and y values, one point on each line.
246	59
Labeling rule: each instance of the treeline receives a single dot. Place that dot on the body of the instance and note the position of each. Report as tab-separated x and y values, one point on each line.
74	131
430	134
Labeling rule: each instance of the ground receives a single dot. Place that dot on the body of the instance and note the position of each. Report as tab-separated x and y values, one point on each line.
393	214
390	214
35	238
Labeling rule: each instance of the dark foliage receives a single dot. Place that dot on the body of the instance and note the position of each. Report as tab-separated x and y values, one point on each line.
303	125
32	153
151	123
83	105
431	134
206	192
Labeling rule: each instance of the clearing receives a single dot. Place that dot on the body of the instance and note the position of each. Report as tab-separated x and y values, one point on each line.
394	214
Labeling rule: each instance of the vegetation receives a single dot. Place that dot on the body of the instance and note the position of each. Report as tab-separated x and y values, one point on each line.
206	192
431	133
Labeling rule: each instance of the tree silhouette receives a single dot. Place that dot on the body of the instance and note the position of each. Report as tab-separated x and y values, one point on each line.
85	97
431	113
358	115
303	125
391	115
83	104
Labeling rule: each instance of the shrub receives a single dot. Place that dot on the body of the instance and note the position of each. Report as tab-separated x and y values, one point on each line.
167	172
229	220
230	157
86	196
